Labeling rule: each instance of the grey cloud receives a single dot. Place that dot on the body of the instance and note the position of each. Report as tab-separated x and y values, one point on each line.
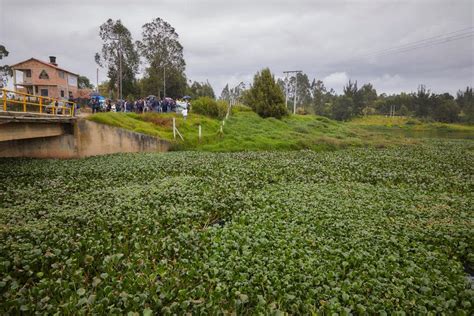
229	41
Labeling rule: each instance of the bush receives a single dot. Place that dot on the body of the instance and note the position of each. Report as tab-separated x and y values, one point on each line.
412	122
209	107
241	108
301	111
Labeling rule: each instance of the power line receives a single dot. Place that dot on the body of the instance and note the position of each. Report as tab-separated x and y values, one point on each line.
440	41
430	41
436	37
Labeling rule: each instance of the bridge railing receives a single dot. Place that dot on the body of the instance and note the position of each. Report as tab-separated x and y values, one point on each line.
15	101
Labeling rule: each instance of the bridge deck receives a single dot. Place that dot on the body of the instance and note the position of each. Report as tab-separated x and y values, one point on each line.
19	125
10	117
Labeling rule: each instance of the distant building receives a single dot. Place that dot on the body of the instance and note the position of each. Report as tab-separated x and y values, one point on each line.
37	77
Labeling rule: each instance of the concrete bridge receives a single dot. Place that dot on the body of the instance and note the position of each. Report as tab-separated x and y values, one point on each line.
49	136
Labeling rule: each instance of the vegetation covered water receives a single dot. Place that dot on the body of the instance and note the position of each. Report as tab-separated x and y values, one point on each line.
353	231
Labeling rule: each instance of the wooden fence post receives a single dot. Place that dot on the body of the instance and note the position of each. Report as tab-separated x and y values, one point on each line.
200	134
174	128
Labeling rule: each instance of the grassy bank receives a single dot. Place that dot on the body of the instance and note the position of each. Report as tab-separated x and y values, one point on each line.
246	131
408	123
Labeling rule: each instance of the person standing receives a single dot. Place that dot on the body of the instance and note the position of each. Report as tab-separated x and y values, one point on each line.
118	106
108	105
93	105
185	113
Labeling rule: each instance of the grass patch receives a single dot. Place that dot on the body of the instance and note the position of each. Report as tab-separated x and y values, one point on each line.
408	123
246	131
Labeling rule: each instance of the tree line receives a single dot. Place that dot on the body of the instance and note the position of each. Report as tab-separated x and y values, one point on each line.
314	98
158	50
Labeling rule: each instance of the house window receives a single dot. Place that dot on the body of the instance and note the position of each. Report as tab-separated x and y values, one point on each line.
44	92
72	80
28	73
61	74
43	74
62	93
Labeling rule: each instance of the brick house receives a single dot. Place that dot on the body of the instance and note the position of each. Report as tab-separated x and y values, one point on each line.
37	77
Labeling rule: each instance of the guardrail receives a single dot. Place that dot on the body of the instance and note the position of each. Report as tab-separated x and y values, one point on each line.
15	101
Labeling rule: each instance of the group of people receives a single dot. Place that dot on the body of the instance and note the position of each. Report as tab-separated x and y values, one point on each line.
150	104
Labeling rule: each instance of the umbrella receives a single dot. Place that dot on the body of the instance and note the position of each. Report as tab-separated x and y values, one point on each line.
186	97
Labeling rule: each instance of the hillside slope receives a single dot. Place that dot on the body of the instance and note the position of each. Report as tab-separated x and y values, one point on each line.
246	131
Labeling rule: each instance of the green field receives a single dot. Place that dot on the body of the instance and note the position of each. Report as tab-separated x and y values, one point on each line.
361	231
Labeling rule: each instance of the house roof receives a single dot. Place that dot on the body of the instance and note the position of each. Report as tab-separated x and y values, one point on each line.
44	63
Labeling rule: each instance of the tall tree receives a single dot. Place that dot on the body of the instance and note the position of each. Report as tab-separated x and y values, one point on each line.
303	93
343	108
237	93
423	102
265	96
319	92
163	53
84	83
351	91
446	110
233	95
5	70
465	100
118	46
200	89
368	96
225	94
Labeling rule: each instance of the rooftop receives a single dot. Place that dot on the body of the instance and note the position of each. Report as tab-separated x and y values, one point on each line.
43	62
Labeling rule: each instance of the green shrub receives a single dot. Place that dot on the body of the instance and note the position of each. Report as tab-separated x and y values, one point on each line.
301	111
209	107
241	108
412	122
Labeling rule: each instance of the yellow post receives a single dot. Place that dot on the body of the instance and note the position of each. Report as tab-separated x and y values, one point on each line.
41	105
24	103
4	99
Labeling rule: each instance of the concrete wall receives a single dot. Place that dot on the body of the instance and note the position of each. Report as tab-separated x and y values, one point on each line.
16	131
46	147
86	139
98	139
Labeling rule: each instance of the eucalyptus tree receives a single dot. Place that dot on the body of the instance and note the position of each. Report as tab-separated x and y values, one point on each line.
5	70
200	89
119	55
163	54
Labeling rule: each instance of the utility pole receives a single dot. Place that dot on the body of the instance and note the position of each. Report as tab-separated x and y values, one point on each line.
120	64
286	91
296	72
97	80
119	39
164	82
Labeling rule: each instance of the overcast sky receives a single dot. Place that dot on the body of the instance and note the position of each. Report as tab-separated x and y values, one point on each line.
228	41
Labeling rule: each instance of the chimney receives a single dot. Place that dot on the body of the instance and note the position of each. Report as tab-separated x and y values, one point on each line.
52	60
